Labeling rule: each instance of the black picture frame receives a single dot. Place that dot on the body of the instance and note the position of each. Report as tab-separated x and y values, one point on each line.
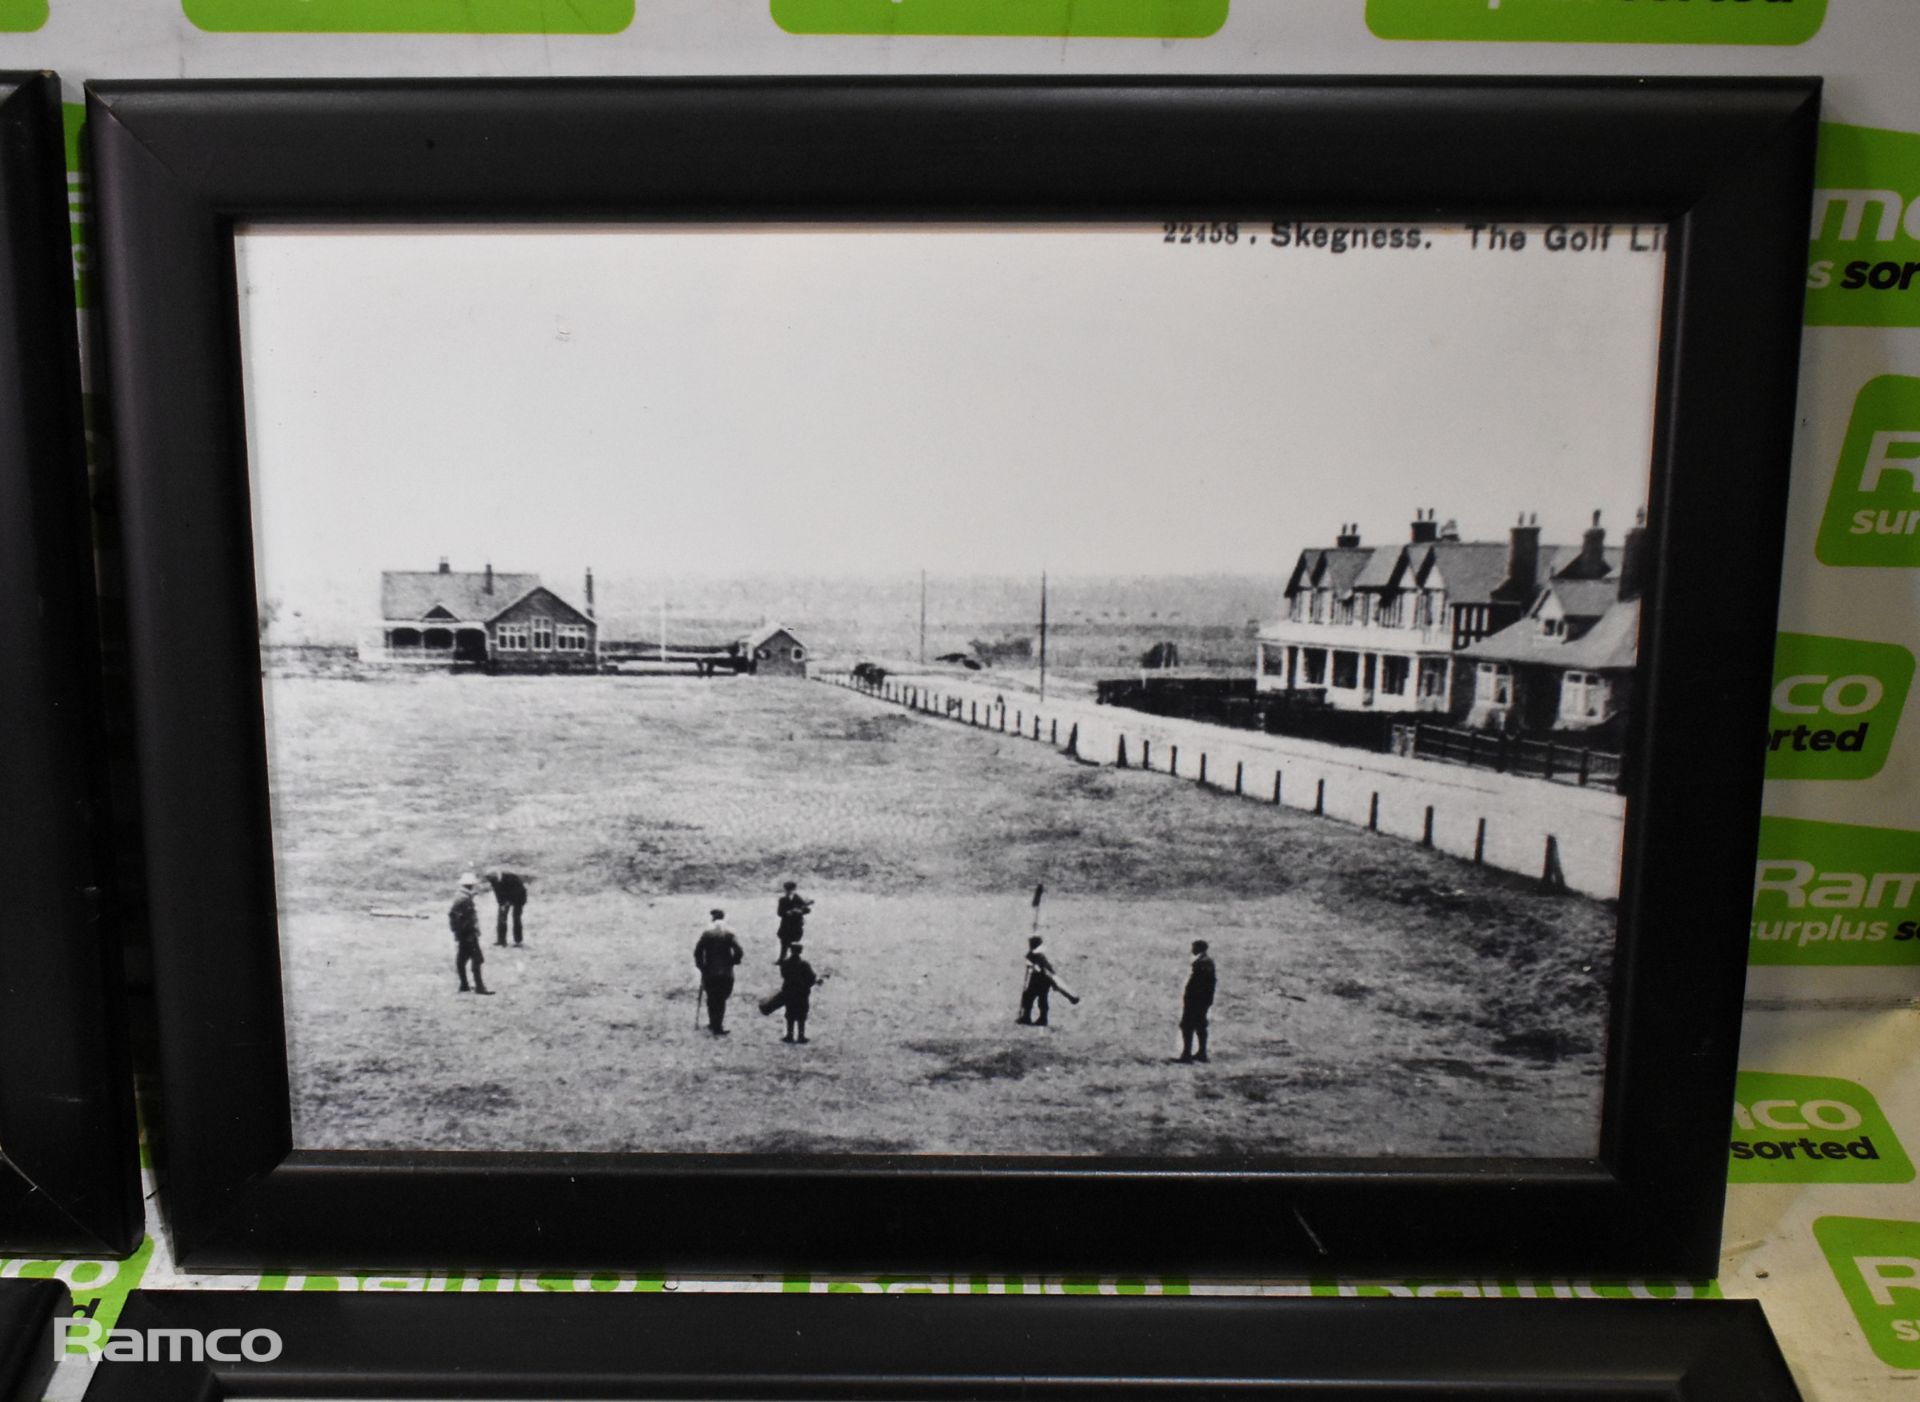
69	1170
905	1348
28	1309
1724	165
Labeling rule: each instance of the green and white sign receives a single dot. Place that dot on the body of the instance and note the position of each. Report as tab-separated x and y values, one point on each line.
1864	265
1601	21
1053	19
1833	893
1454	1288
410	16
1873	506
1811	1129
1877	1263
1836	705
22	16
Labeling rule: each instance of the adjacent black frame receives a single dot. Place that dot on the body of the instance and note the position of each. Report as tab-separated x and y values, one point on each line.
1725	165
69	1166
907	1348
28	1311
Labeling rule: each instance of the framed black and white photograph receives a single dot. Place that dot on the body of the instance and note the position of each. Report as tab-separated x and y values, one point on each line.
202	1345
994	672
69	1172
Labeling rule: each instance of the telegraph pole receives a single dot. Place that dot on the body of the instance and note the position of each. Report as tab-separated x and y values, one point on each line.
1043	635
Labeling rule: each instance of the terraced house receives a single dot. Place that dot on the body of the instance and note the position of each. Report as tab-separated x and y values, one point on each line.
1488	633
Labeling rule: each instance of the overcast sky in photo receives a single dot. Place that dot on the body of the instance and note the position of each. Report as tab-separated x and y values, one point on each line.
1090	400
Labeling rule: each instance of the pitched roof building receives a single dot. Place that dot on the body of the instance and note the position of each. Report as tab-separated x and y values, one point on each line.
1389	627
503	621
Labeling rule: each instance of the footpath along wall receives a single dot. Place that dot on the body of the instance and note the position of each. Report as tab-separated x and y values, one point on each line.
1823	1222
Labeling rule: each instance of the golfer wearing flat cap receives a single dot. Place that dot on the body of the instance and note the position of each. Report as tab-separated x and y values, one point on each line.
465	922
714	954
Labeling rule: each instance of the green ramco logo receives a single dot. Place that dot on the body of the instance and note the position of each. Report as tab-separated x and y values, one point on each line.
1863	268
1877	1264
1873	506
1833	893
1811	1129
1836	705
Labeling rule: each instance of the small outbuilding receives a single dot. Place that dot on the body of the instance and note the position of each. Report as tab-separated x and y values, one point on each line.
773	651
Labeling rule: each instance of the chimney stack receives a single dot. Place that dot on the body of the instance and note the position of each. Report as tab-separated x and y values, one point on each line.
443	564
1523	556
1349	537
589	591
1633	559
1450	531
1425	528
488	587
1593	552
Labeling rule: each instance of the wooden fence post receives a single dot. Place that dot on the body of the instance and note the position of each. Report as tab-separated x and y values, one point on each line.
1426	836
1173	762
1276	788
1146	754
1480	843
1373	813
1320	798
1073	739
1239	773
1019	721
1121	761
1203	769
1586	759
1551	874
1053	731
973	713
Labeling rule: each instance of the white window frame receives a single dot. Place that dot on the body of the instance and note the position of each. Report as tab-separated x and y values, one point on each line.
511	637
542	628
1494	685
1583	696
570	637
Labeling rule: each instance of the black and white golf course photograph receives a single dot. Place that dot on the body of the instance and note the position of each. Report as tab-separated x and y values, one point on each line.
1107	690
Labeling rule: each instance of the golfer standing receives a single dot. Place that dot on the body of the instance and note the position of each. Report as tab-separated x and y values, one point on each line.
464	920
1196	1002
715	954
